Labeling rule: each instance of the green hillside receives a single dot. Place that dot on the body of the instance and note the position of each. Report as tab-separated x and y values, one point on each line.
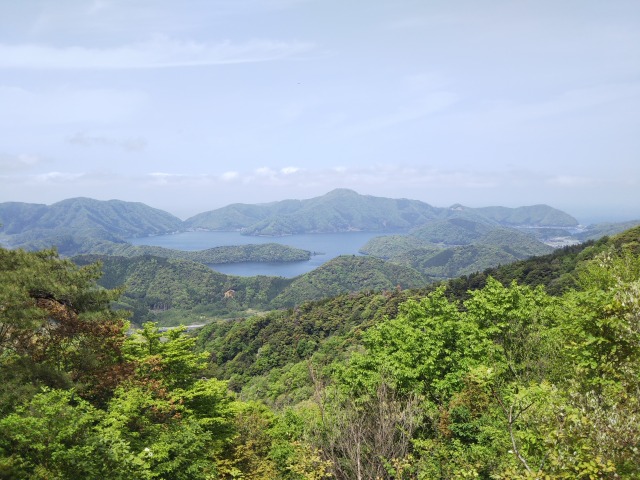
476	377
340	210
346	274
121	219
456	246
297	334
15	217
344	210
81	225
534	215
455	261
239	216
267	252
334	346
519	244
453	231
598	230
173	291
388	246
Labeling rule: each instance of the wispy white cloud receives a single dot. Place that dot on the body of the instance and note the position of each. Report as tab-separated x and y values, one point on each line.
374	175
18	162
229	176
56	177
133	144
160	52
22	106
389	175
536	118
424	107
190	193
572	181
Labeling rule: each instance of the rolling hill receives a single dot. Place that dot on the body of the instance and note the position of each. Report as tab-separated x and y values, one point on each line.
344	210
80	225
340	210
456	246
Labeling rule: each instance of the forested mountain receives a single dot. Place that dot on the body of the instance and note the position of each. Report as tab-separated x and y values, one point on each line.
598	230
341	319
173	291
460	231
264	252
81	225
475	402
118	218
345	274
456	246
534	215
340	210
344	210
484	376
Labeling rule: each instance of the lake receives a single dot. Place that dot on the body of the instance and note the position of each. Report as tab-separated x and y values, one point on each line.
325	246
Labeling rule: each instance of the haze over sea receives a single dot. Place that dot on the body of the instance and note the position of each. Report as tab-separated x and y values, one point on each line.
323	246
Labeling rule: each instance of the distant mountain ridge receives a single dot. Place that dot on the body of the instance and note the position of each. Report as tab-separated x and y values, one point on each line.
119	218
343	210
80	224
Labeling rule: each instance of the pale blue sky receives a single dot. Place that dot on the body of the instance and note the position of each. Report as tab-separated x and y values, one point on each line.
194	104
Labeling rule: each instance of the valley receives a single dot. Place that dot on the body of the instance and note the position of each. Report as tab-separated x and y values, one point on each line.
281	254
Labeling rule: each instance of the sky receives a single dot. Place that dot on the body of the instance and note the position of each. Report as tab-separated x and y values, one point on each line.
192	105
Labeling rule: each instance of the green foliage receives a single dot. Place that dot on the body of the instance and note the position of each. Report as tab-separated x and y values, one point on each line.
268	252
155	286
456	246
165	357
347	274
388	246
56	327
162	290
57	435
496	397
499	381
81	400
399	350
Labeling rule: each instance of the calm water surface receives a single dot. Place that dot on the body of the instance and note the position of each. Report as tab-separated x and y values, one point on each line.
325	246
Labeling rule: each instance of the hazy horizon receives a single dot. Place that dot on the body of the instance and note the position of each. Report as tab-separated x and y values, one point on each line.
586	219
192	106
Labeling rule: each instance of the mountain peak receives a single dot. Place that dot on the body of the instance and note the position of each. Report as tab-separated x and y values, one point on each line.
342	192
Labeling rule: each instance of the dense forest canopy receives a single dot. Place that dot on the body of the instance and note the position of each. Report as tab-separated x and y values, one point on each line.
527	371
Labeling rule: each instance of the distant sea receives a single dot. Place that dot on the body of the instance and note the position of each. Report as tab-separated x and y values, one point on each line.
324	247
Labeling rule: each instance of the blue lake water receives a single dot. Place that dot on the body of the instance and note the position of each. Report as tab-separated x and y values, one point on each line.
325	246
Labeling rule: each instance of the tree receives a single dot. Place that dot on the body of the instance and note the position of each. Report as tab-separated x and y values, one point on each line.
57	328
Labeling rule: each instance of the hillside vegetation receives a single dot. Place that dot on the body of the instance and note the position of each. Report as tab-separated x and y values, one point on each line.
485	376
456	246
355	356
118	218
267	252
344	210
356	311
172	291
